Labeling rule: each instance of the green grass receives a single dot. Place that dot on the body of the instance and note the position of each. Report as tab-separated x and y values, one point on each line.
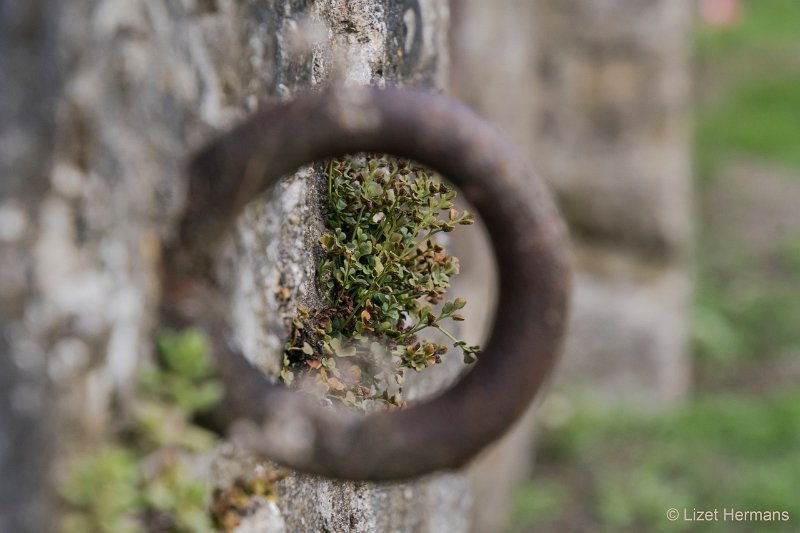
745	321
758	118
755	112
767	25
721	452
791	254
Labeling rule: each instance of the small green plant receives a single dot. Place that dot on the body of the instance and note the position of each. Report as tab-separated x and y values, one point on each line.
243	496
141	481
383	273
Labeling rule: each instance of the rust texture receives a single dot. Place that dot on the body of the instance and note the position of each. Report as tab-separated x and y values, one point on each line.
530	247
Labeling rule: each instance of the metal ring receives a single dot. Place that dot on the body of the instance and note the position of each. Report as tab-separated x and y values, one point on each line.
527	235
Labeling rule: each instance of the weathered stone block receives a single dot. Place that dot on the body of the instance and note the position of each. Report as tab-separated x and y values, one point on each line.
612	117
629	332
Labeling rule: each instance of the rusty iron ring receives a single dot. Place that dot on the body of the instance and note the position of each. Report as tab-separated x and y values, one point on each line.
527	235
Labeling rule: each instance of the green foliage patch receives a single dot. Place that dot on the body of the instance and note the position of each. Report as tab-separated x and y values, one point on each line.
745	321
754	101
757	118
612	472
766	26
384	272
141	481
746	308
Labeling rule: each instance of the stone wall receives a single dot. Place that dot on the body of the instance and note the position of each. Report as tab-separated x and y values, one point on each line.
103	102
598	94
27	106
497	85
612	135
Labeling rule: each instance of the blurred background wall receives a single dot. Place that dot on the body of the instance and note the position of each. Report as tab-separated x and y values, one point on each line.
598	94
670	132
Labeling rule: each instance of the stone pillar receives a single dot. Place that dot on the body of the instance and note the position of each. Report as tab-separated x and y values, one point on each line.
612	135
597	93
103	102
491	55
